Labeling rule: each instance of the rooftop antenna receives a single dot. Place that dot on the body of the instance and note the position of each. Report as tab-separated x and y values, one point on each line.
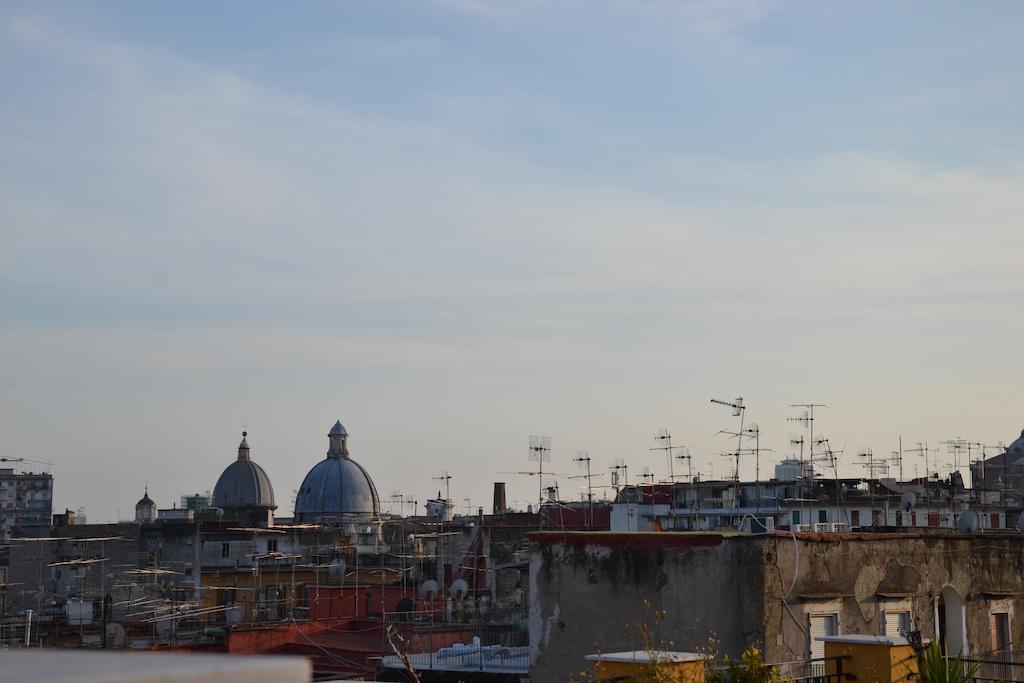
897	458
620	472
751	432
738	410
873	465
831	458
685	455
540	452
647	477
582	459
806	418
664	437
922	449
446	478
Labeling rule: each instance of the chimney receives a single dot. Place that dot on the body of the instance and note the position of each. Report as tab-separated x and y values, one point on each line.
500	507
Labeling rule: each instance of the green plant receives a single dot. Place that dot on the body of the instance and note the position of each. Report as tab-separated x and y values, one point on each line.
749	669
935	668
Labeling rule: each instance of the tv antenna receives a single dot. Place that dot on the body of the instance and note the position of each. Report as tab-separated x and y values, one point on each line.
738	410
540	452
620	472
922	449
647	477
751	432
873	465
446	478
896	458
582	459
806	418
685	455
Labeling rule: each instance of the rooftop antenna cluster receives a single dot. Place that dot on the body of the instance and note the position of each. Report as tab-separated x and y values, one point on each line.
738	410
922	449
806	418
620	472
664	439
873	465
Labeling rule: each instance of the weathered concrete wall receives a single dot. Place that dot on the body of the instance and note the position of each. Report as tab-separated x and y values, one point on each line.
861	574
590	591
587	589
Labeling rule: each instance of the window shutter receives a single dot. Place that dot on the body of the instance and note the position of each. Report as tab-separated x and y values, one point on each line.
821	625
896	623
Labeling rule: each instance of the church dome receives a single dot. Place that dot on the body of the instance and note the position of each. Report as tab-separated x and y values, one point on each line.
145	501
1017	447
337	488
243	484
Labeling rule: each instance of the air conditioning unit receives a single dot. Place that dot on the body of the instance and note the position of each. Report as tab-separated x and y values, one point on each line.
840	528
758	525
822	527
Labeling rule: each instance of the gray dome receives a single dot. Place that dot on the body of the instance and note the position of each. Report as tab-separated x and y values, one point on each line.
337	487
145	501
243	484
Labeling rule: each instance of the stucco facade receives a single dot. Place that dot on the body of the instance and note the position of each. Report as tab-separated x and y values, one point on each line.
590	590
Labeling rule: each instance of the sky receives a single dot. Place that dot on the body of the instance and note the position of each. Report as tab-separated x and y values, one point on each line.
455	223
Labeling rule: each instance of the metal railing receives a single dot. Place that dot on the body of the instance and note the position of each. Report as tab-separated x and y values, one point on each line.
815	670
1005	665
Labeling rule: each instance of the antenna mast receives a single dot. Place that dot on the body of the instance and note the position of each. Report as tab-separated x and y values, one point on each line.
540	452
873	465
738	410
583	459
665	437
446	478
922	449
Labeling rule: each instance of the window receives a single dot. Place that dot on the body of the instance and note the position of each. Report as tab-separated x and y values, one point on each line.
1000	626
796	517
876	518
225	551
822	625
822	516
854	517
272	545
152	545
896	622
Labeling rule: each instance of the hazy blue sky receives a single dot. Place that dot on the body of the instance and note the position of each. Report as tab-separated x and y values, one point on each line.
453	224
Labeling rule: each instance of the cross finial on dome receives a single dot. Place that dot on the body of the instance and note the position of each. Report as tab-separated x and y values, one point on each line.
243	448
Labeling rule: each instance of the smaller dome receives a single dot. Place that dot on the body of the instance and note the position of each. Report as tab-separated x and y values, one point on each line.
145	501
1017	446
243	484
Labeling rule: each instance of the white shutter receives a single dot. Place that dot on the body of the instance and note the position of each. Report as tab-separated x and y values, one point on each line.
821	625
896	623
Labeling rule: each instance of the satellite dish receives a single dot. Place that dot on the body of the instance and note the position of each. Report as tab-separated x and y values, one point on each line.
968	522
459	589
908	501
233	615
337	569
166	627
428	589
115	636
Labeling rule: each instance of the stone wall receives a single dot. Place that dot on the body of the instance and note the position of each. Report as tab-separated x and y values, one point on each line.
588	591
591	591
